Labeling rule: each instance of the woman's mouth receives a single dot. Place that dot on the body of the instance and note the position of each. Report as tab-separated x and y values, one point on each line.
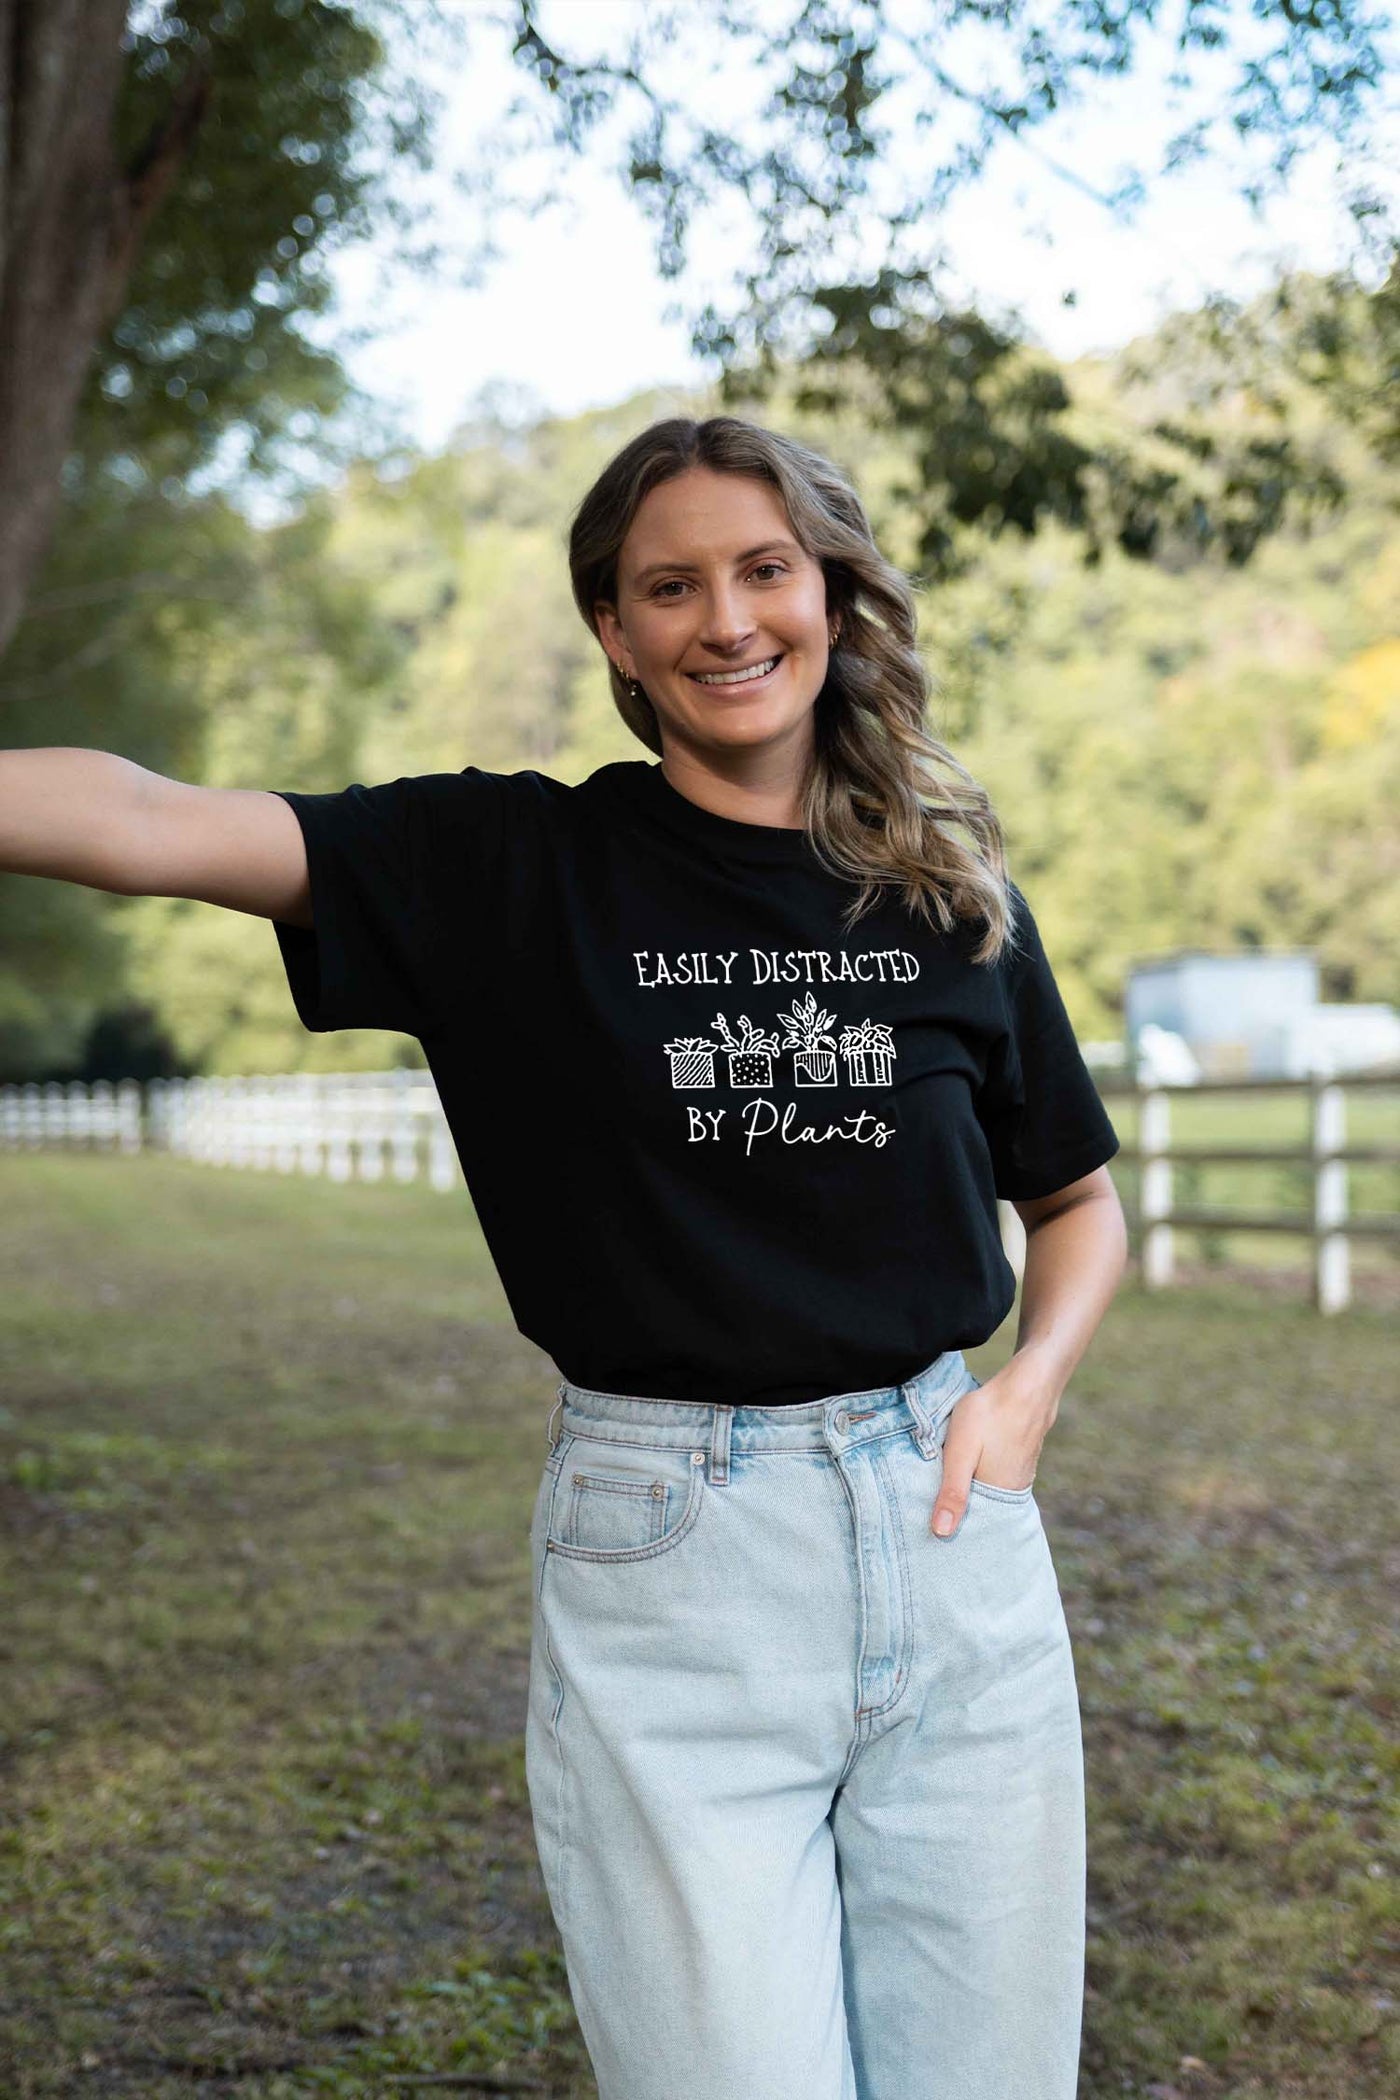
743	680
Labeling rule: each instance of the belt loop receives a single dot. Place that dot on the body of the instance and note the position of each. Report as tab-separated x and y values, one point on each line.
549	1435
923	1430
719	1446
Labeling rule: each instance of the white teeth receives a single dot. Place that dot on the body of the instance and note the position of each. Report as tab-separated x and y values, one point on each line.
734	677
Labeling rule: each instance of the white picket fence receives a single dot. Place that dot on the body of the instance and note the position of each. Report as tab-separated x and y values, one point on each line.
373	1126
71	1113
350	1126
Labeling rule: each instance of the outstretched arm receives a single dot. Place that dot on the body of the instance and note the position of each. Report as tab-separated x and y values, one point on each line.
97	819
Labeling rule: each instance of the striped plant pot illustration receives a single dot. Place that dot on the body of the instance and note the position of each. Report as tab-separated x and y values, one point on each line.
692	1060
750	1052
868	1048
814	1067
814	1060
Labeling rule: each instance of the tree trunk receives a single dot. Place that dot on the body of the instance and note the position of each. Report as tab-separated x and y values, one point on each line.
71	222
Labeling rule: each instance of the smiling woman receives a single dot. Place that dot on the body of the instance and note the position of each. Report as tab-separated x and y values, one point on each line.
761	643
721	618
739	1051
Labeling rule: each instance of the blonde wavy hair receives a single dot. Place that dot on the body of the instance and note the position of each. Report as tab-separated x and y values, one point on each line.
882	793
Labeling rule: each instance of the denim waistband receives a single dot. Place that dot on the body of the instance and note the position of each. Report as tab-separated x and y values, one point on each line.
919	1405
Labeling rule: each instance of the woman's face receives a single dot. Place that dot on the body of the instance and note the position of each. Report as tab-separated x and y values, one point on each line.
711	579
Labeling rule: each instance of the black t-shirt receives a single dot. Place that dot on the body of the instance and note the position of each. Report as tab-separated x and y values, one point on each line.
720	1149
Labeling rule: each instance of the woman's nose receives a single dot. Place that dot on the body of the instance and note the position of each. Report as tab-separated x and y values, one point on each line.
726	621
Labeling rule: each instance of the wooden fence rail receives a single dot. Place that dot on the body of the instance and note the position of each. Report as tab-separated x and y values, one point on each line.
369	1126
1330	1223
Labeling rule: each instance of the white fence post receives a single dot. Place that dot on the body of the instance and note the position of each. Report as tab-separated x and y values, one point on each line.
262	1111
158	1113
373	1125
83	1107
129	1132
403	1132
54	1123
442	1160
173	1114
1154	1126
336	1119
104	1112
1332	1250
313	1142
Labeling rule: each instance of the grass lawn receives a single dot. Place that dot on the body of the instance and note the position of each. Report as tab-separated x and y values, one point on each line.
267	1453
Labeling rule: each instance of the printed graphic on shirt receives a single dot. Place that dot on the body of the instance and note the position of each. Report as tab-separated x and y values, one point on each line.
814	1063
747	1056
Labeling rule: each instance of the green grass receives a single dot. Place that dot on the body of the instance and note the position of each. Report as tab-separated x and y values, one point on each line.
267	1452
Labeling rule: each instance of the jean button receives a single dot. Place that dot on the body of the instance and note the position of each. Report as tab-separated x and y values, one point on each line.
843	1420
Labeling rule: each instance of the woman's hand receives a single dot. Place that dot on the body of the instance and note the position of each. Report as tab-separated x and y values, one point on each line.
995	1434
1076	1251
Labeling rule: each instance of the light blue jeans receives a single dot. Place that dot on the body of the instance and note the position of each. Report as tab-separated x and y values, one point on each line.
807	1782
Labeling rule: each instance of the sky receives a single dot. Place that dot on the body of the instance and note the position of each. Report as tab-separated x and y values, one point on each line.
575	315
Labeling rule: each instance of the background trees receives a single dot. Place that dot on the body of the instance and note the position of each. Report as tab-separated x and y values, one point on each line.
1158	583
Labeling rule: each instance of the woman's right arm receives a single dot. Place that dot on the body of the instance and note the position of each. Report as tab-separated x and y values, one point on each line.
94	818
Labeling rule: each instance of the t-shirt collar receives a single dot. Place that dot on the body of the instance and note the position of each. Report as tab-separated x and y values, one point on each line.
647	787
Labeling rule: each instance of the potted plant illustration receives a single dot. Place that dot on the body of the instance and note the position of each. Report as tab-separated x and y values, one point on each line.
868	1048
692	1060
815	1062
750	1053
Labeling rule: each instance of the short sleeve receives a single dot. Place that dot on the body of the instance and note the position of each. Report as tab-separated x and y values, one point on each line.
1045	1122
394	870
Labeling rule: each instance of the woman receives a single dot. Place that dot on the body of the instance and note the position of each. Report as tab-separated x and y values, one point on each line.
738	1050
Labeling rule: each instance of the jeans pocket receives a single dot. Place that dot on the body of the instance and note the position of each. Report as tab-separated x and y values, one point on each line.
618	1501
1000	1494
988	1488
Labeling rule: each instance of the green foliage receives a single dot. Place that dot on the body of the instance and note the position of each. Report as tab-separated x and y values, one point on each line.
159	607
1186	750
303	119
815	177
1202	441
178	635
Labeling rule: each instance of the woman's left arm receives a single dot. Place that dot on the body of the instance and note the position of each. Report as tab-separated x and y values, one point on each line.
1076	1253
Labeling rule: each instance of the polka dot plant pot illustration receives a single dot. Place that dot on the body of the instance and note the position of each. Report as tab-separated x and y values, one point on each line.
692	1060
868	1048
750	1052
815	1061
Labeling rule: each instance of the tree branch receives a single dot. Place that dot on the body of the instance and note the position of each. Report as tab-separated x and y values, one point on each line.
149	177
